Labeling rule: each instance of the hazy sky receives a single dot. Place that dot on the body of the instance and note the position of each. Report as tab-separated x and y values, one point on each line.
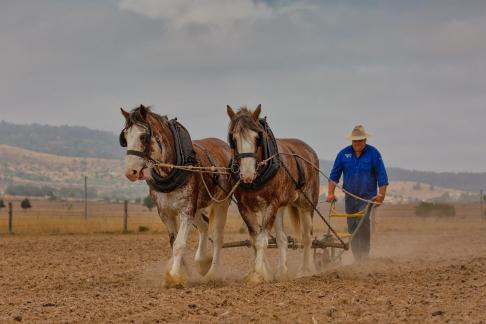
413	72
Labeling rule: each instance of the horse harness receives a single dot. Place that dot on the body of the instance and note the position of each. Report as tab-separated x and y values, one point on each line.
269	153
184	151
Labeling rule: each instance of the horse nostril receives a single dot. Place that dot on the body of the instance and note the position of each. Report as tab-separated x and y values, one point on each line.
134	172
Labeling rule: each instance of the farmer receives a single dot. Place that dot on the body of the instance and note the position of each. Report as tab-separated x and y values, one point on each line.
363	171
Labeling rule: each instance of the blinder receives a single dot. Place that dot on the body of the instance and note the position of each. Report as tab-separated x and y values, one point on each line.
122	138
147	137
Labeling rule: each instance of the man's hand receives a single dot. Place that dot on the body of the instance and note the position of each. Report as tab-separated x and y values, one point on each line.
330	198
379	199
331	186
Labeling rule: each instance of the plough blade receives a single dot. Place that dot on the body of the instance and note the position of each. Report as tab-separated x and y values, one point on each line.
292	244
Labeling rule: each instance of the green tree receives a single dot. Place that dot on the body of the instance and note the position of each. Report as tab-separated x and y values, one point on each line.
25	204
148	202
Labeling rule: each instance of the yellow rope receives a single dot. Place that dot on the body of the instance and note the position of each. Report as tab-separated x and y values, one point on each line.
214	198
224	170
193	168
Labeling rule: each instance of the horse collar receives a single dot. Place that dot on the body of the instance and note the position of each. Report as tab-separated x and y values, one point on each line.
185	155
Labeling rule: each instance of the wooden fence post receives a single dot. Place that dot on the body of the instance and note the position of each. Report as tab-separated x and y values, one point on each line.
125	216
481	199
10	217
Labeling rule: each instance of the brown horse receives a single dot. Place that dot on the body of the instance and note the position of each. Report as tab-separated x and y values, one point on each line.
270	189
151	139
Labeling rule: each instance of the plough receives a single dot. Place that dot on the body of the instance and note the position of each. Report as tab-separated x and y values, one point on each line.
325	242
328	240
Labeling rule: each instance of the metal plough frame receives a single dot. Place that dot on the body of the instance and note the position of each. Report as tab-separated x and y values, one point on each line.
327	241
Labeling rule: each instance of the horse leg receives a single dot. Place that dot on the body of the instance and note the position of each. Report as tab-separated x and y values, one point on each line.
174	276
250	218
282	244
308	267
219	215
202	259
168	220
262	271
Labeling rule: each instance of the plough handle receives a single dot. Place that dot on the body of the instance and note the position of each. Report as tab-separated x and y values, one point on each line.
246	243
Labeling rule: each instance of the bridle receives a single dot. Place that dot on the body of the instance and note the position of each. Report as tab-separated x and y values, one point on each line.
238	156
146	141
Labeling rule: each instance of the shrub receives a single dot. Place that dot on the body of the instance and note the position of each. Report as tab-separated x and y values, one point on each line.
25	204
2	204
143	228
425	209
148	202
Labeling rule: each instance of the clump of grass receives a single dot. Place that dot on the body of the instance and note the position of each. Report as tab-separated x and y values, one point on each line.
142	228
425	209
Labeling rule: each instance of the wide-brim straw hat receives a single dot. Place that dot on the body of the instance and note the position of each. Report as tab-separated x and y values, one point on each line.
358	133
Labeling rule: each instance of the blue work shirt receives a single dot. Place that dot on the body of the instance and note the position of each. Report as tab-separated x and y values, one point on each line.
361	175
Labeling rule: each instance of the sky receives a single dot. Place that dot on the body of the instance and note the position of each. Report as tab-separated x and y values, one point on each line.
413	72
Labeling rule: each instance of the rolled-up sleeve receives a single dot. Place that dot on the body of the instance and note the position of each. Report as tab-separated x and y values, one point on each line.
382	177
337	169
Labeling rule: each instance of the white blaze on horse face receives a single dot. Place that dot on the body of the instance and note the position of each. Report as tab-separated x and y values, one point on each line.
135	167
246	143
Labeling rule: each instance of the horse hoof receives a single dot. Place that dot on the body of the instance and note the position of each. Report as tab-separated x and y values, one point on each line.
254	278
257	278
306	272
281	276
204	265
172	281
213	275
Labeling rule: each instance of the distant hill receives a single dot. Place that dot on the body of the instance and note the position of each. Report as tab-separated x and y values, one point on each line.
61	140
73	141
28	173
465	181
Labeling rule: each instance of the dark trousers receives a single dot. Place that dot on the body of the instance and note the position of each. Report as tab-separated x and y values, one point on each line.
361	241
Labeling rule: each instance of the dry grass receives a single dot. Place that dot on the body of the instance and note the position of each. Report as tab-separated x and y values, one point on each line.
56	217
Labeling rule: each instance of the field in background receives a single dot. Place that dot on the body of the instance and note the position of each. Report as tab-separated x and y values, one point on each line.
67	217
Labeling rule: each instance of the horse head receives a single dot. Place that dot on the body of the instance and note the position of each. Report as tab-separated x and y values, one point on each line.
245	136
145	138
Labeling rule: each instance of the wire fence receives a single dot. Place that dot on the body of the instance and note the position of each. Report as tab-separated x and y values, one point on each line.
68	217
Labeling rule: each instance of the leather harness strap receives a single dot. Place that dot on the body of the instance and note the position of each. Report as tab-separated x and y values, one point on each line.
301	182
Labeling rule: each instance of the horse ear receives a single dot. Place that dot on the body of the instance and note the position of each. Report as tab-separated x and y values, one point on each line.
231	113
256	113
124	113
143	111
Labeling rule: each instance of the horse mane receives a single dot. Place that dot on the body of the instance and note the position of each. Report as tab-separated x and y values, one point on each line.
136	117
243	121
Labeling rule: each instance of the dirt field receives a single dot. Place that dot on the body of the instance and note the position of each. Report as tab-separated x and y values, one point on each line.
420	271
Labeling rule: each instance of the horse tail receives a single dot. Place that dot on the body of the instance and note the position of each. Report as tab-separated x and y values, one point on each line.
294	220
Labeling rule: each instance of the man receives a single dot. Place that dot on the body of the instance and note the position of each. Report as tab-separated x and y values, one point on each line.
363	171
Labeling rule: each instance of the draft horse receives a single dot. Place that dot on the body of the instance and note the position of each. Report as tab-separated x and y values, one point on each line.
270	189
152	139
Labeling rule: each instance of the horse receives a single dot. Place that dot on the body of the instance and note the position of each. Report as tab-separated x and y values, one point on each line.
273	182
154	143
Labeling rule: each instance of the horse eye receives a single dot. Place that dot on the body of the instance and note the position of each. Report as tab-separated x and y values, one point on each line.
142	137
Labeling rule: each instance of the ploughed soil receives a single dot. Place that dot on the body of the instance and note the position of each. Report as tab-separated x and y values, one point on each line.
419	271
